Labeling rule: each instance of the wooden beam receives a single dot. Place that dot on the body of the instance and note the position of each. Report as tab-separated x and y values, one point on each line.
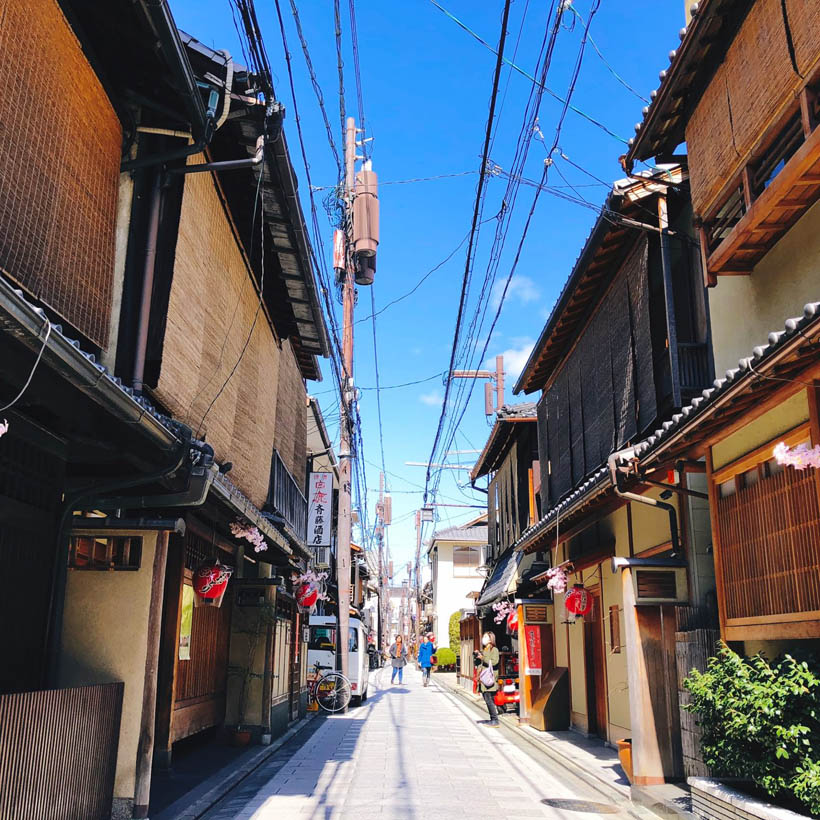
746	179
807	111
145	744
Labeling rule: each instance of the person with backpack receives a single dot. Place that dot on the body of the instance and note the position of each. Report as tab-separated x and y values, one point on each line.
425	658
488	659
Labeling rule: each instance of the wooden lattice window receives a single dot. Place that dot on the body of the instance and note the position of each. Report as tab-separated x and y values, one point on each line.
767	521
105	552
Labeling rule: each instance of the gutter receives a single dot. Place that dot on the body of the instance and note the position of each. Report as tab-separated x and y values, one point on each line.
616	475
82	369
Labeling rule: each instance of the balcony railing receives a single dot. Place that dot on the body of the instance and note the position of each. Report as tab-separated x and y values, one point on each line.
285	498
693	367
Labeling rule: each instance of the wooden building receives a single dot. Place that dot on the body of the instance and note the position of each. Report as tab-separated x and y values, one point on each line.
742	92
168	322
625	346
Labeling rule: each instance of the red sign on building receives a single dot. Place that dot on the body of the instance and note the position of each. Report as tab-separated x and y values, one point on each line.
533	659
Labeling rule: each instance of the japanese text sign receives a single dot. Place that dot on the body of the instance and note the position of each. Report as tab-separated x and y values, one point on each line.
320	509
533	659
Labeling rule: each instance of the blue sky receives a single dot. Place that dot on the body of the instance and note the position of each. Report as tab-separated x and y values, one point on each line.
426	87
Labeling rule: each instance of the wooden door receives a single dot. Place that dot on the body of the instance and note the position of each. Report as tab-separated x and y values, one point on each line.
595	662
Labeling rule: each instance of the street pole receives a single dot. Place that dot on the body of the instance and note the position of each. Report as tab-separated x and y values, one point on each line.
348	299
418	579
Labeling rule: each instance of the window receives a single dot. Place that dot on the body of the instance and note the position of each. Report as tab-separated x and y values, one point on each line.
466	561
615	629
105	553
353	641
322	637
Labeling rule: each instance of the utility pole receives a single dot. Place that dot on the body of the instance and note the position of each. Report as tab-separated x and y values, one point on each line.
418	576
382	520
497	377
357	266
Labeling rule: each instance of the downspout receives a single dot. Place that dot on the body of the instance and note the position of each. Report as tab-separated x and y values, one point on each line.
226	165
59	572
149	266
616	476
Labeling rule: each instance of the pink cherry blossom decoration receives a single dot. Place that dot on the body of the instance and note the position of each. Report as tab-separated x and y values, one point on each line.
241	529
801	457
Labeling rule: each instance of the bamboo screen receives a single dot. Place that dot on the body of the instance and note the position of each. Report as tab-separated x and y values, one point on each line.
751	88
770	546
604	393
290	435
60	144
212	307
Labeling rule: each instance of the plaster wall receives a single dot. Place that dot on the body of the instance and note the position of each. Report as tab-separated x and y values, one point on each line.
699	536
105	634
787	415
450	593
745	309
650	525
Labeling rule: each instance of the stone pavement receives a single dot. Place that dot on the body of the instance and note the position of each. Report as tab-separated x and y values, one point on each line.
409	753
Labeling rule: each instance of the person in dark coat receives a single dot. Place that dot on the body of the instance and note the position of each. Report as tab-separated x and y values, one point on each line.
398	658
489	658
425	658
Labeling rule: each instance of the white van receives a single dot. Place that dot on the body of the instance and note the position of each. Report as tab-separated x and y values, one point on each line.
322	648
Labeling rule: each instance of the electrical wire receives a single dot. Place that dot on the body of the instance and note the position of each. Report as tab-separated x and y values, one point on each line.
337	16
529	76
378	388
476	211
33	369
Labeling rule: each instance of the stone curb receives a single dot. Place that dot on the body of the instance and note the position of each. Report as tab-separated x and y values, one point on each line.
602	787
227	778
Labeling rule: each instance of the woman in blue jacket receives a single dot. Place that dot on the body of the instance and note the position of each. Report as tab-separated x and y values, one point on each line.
425	658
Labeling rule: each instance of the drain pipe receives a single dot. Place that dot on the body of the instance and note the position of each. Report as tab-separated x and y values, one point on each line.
616	476
56	605
226	165
149	266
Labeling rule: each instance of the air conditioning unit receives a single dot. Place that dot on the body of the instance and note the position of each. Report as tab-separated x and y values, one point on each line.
321	557
660	585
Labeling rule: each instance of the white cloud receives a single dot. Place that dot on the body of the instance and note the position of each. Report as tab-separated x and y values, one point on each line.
521	288
433	399
514	360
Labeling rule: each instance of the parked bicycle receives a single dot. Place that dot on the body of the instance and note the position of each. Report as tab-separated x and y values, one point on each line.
332	691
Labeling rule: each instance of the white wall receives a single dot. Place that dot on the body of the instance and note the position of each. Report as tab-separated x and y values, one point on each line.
450	593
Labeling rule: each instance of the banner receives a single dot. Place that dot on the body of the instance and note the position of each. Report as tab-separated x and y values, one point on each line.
533	659
320	509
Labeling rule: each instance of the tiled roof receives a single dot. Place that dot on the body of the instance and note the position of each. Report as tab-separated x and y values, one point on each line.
524	410
746	368
499	582
476	534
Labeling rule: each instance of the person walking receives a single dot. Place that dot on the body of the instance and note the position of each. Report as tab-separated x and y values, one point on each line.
425	658
398	658
488	676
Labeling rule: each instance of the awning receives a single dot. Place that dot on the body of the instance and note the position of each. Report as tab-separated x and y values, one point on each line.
504	573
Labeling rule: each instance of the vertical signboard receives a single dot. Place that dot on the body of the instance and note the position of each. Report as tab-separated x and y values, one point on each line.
533	659
320	509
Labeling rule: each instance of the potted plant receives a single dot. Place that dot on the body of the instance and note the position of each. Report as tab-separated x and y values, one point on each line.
760	725
445	659
257	620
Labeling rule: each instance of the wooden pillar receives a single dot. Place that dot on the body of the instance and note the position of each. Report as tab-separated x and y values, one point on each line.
653	706
526	683
145	746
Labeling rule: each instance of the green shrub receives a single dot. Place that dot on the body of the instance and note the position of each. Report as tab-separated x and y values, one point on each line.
445	657
455	632
760	721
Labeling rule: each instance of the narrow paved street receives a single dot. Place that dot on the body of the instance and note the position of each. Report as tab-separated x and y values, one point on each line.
408	753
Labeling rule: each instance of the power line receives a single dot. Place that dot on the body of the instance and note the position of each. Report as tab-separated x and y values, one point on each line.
529	76
337	17
476	208
376	363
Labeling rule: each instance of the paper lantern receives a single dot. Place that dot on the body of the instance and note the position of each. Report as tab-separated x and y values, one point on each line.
512	622
210	582
578	601
307	595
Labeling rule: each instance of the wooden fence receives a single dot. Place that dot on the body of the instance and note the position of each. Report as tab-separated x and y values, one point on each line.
692	651
58	753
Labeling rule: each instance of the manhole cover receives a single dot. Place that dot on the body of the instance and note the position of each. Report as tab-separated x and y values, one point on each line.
580	805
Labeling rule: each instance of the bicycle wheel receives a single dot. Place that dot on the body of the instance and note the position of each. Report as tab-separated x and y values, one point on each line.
333	692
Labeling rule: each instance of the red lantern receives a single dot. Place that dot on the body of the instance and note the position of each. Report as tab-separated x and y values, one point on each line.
210	582
578	601
512	622
307	595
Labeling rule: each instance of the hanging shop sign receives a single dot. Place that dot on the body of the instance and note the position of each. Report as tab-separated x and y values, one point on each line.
536	614
186	622
210	582
532	634
320	509
578	601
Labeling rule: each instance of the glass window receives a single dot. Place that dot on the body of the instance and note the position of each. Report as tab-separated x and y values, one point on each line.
727	488
353	643
466	561
751	477
323	637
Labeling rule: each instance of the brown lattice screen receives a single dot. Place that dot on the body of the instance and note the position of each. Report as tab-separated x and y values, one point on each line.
60	144
770	546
